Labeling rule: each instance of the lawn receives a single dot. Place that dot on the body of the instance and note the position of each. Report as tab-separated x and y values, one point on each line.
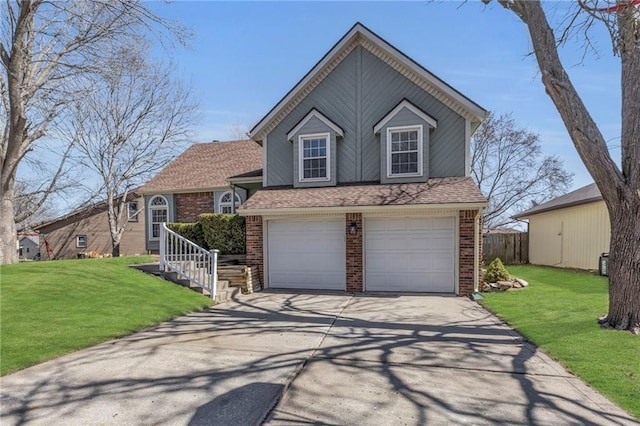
51	308
558	312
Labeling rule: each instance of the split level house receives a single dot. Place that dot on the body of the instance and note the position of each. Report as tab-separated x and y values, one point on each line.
365	180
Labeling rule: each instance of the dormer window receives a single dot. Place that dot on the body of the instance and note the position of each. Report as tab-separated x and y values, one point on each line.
314	157
404	145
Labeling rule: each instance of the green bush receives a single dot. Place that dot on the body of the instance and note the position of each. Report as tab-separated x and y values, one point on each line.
224	232
191	231
496	272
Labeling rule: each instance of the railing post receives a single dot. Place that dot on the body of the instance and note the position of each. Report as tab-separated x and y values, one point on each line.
163	237
214	273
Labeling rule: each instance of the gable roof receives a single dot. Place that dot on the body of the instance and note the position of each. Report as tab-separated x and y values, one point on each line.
205	166
405	103
584	195
320	116
82	213
359	35
437	192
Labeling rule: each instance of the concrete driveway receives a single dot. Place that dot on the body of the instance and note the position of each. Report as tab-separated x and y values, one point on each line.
310	359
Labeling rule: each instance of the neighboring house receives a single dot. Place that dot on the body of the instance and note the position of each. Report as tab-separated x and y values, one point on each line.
366	181
28	246
570	231
87	230
214	177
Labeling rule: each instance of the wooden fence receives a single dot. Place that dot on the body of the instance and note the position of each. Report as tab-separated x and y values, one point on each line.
511	248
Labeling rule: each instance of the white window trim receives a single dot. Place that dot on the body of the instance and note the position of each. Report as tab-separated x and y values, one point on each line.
78	245
301	139
133	218
151	209
222	204
390	130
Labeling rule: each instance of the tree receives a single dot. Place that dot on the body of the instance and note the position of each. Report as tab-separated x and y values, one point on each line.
620	187
129	127
46	51
510	169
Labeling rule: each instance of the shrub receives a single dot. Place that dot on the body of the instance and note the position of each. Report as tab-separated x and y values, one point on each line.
224	232
496	272
191	231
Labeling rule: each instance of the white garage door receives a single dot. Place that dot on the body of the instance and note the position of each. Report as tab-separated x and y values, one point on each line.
410	254
307	254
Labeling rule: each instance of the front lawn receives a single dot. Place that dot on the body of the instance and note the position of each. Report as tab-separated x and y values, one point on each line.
52	308
558	312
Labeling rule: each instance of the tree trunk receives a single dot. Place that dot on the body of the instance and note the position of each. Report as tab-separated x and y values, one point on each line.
624	268
116	249
8	251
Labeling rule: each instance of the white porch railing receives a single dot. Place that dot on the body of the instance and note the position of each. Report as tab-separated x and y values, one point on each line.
188	260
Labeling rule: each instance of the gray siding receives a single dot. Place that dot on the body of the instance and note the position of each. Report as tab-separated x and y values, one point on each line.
356	95
314	126
217	194
404	117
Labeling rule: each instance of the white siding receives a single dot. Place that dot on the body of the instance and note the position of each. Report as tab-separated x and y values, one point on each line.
573	237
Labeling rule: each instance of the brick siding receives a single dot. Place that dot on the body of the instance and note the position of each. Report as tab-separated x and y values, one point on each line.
191	205
355	270
255	255
466	252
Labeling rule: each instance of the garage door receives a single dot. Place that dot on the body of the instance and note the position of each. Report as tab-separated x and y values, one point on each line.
410	254
307	254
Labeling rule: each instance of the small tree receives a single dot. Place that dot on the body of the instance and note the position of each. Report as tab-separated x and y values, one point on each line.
511	170
131	125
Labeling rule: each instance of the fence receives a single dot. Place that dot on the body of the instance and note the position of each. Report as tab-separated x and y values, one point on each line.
511	248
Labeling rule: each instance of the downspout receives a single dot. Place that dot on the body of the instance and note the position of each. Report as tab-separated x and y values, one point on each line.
233	199
476	249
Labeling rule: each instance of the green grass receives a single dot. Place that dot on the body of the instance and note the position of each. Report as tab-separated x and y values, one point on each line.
51	308
558	312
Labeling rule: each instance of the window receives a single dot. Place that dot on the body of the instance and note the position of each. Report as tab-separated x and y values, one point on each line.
314	157
159	212
404	148
224	205
81	241
132	211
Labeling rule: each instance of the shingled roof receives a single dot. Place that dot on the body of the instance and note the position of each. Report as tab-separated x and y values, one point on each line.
204	166
586	194
437	191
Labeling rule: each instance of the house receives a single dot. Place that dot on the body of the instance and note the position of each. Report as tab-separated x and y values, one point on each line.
87	230
365	178
28	246
203	179
570	231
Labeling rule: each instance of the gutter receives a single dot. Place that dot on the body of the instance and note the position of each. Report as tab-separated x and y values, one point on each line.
360	209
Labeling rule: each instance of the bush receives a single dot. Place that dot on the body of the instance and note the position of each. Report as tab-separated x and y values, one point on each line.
191	231
496	272
224	232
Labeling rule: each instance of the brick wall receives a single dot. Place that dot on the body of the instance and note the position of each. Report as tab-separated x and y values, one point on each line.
355	271
190	206
466	251
255	255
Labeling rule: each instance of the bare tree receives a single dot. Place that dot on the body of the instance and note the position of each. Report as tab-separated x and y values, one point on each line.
131	125
46	50
620	187
508	165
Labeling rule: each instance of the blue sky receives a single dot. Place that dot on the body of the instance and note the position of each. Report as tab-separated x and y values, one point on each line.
245	56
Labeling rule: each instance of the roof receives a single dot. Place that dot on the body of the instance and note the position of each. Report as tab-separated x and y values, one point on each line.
204	166
81	213
437	191
361	35
584	195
